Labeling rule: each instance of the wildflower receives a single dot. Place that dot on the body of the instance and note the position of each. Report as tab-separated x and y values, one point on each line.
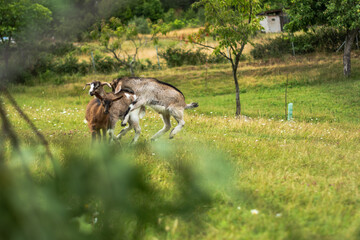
254	211
278	215
238	208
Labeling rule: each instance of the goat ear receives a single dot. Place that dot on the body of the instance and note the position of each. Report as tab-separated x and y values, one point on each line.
118	98
86	85
118	88
107	84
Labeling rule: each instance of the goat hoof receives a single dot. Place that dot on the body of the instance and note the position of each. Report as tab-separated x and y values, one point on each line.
123	124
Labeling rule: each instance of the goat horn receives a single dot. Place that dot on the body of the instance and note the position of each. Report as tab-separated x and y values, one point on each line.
86	85
107	84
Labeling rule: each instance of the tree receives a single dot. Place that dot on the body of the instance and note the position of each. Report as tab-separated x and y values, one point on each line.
151	9
341	14
232	23
178	4
114	34
273	4
21	22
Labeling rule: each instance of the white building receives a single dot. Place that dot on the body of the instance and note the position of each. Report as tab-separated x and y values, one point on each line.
273	21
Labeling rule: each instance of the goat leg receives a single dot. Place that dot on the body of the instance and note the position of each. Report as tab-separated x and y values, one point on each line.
93	137
133	106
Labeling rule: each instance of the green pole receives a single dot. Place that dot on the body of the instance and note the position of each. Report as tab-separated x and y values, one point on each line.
290	111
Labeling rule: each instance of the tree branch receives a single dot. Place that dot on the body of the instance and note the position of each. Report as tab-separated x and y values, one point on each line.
211	47
250	12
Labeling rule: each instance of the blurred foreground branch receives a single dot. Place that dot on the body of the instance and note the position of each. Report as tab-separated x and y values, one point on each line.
7	128
7	125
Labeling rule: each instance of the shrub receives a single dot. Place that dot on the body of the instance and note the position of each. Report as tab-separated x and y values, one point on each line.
169	16
177	57
151	9
189	14
177	24
220	59
141	24
43	63
61	48
84	67
105	64
329	39
321	40
69	65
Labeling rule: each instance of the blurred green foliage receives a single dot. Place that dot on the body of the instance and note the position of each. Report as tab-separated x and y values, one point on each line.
101	193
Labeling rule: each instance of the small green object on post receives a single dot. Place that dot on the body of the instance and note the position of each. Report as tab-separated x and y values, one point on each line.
290	111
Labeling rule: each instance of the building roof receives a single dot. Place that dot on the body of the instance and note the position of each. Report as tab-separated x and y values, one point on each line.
272	12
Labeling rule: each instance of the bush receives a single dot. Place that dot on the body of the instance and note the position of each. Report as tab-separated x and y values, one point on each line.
151	9
61	48
177	57
322	40
141	24
84	67
69	65
177	24
169	16
43	63
105	64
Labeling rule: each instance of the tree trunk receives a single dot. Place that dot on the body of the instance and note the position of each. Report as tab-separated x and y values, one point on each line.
132	69
6	59
238	104
347	51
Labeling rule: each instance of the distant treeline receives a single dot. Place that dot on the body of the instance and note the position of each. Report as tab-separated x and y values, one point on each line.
32	29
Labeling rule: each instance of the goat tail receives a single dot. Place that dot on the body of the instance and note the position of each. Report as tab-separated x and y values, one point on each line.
142	112
191	105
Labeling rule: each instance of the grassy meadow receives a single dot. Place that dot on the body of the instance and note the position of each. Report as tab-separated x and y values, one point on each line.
294	179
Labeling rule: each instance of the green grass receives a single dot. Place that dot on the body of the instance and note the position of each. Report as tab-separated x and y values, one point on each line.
302	176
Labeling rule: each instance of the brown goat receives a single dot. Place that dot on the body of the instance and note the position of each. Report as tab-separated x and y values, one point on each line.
96	119
97	114
119	110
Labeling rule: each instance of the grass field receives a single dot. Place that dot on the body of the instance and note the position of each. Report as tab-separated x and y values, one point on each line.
286	179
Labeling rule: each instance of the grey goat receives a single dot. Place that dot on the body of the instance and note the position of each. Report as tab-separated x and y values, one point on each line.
162	97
